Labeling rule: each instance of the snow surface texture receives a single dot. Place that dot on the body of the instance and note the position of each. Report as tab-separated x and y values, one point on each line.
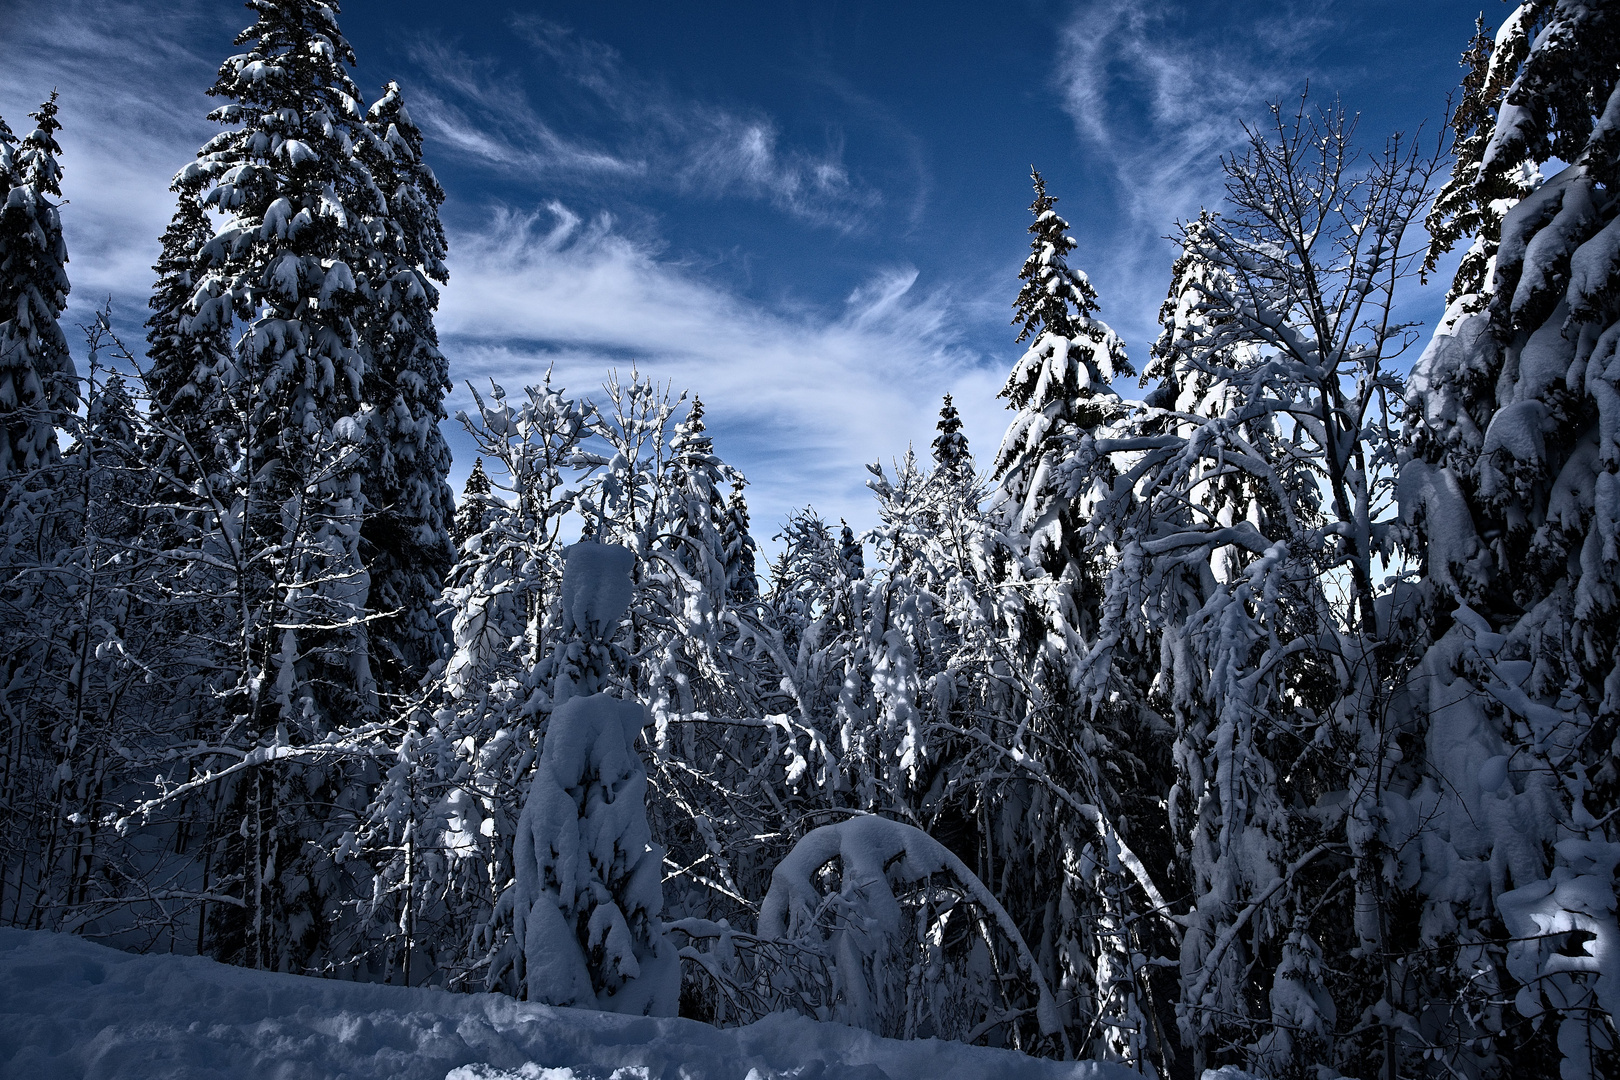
71	1008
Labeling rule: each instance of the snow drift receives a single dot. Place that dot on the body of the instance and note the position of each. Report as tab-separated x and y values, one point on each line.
71	1008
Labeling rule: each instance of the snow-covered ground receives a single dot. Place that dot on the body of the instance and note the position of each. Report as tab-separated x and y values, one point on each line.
71	1008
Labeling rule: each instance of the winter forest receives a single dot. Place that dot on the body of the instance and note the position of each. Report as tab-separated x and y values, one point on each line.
1255	704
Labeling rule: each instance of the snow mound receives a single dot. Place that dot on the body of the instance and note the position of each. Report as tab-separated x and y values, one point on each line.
71	1008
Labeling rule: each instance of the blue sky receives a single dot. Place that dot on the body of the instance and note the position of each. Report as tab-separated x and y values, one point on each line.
811	214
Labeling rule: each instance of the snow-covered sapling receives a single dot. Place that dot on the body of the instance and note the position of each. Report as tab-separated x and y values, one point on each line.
589	889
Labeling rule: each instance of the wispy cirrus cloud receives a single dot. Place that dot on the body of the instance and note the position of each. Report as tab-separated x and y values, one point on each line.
478	108
799	400
133	110
1158	98
1163	100
643	132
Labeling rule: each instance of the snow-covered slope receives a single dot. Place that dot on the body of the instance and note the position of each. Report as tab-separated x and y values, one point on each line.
70	1008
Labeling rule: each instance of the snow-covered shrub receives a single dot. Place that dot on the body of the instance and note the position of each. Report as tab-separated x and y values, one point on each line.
587	893
872	922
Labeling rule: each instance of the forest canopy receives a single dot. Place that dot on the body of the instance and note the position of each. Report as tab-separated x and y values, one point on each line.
1269	719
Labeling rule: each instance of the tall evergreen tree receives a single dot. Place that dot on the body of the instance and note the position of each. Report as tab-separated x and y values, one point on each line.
291	263
742	581
472	514
292	275
697	510
38	384
406	539
1059	389
1060	393
188	347
1515	409
1471	203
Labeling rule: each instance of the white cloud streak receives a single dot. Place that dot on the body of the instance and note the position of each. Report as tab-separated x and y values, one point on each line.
132	109
1159	100
1162	102
651	135
800	402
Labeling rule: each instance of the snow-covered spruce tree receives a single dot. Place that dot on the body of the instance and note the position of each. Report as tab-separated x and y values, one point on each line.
299	202
38	385
950	446
697	506
188	351
1247	504
1054	821
1471	203
405	535
1059	386
293	272
742	575
471	513
1513	491
953	493
587	897
38	394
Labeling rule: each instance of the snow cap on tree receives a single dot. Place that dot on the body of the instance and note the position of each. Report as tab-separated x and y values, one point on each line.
38	383
596	592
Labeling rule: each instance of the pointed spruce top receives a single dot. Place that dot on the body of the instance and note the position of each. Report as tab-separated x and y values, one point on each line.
36	164
1055	297
950	445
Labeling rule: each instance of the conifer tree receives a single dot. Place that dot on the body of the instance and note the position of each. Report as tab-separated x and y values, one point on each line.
291	265
1059	389
951	452
1061	396
38	384
849	552
587	895
188	347
1471	203
471	515
406	540
289	280
742	582
697	510
1513	492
